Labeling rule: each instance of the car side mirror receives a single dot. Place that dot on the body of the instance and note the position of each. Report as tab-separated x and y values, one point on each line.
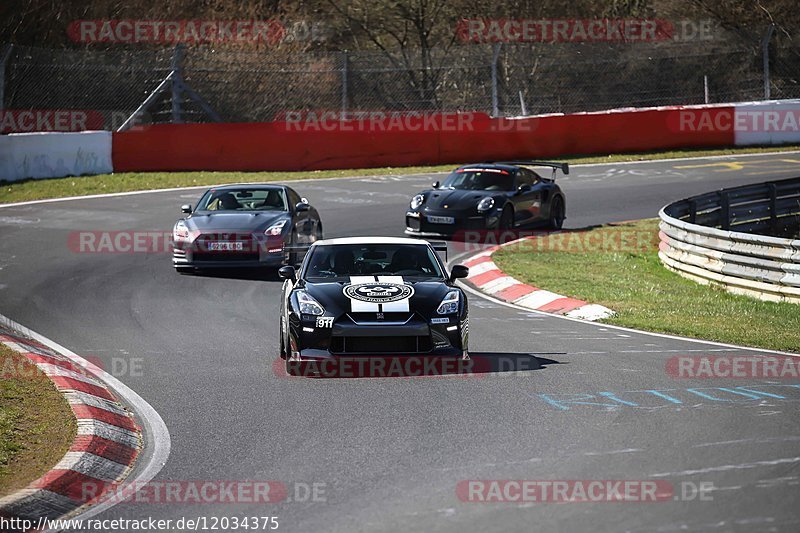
458	271
301	207
286	272
436	184
186	208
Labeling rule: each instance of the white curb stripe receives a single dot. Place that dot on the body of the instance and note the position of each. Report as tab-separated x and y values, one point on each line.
538	299
480	268
92	465
497	285
107	431
84	398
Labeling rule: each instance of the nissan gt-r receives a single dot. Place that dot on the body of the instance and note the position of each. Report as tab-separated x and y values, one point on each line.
252	225
372	296
489	196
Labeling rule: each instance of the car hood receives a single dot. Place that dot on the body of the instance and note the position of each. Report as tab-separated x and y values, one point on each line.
455	198
234	221
426	297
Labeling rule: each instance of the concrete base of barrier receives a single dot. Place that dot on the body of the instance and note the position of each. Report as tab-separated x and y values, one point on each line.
54	155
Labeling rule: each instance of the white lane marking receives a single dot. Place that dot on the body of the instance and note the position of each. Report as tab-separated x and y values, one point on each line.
156	449
725	468
619	328
315	180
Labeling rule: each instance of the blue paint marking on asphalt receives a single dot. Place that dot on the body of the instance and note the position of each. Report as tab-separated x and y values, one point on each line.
649	398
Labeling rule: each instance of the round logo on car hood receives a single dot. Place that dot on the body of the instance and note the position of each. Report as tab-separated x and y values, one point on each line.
379	292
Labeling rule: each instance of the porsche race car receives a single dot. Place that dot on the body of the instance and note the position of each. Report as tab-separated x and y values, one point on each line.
489	196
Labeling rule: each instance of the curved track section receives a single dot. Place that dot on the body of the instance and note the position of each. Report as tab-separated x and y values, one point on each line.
587	402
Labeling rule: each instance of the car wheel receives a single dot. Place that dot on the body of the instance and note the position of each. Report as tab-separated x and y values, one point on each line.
557	213
506	219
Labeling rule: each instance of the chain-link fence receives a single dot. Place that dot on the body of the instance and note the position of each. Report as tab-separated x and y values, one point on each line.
201	84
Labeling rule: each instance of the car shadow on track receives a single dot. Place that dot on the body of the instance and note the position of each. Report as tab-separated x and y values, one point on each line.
480	364
251	274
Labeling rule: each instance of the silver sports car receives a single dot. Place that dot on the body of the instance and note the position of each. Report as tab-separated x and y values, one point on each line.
250	225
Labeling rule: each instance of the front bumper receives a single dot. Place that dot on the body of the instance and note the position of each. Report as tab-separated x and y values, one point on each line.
355	335
418	223
256	253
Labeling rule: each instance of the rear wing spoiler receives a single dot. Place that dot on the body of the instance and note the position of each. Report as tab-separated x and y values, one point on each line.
439	246
563	167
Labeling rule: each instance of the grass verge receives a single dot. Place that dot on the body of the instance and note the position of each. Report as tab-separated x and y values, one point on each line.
137	181
37	426
617	266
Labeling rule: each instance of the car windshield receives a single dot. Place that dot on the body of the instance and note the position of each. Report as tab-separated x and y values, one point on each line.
337	262
243	200
480	180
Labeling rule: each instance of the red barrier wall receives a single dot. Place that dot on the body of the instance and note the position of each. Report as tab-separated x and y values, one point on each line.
285	146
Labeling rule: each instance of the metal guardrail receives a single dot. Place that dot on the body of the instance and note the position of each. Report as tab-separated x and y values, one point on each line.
744	239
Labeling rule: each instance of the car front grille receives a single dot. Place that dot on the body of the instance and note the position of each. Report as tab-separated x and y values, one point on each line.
380	345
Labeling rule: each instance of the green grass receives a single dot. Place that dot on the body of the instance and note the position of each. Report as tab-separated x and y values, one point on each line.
36	424
617	266
136	181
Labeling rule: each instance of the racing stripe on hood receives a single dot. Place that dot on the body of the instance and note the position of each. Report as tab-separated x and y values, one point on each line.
400	306
357	306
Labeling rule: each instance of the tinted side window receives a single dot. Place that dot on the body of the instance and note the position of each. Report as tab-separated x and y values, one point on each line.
524	177
294	198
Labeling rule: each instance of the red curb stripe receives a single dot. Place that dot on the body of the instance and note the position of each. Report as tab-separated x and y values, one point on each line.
486	277
50	360
473	262
83	411
67	383
108	449
69	483
515	292
562	305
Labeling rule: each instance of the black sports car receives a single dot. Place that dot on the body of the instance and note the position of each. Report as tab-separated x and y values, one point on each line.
372	296
250	225
489	196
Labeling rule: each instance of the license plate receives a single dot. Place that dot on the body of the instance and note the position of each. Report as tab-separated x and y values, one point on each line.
441	220
226	246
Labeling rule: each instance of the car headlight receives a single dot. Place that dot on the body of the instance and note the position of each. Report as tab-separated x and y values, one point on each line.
486	204
449	304
180	232
417	201
276	228
308	305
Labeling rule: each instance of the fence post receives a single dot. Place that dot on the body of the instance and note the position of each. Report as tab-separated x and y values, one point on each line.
705	88
725	210
495	99
3	62
177	83
773	209
345	62
765	59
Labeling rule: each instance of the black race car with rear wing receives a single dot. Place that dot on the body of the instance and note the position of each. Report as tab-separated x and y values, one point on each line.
372	296
489	196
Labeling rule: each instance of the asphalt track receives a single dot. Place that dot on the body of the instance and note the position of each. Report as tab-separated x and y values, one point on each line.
391	451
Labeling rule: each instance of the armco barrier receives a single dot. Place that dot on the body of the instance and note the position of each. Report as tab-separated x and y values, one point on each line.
714	238
54	155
